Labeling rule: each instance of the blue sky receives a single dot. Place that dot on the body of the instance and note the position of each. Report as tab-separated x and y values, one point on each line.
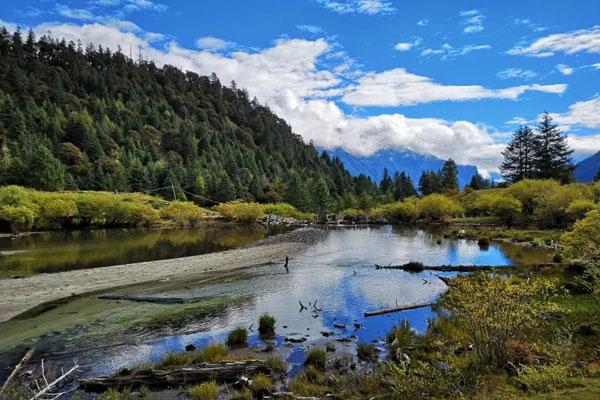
449	78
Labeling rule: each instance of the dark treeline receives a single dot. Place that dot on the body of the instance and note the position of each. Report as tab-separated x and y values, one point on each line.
446	180
88	118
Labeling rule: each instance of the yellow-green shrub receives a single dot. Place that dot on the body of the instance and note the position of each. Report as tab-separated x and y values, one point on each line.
581	245
183	213
56	211
204	391
286	210
551	206
530	192
578	208
437	207
238	211
20	218
405	211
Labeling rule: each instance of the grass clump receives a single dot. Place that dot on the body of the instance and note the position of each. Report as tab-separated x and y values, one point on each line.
244	394
262	385
204	391
211	353
276	365
238	337
266	326
174	360
317	358
399	339
367	352
546	378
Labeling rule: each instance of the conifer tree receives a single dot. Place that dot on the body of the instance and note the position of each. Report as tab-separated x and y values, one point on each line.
386	183
551	153
478	182
518	156
449	176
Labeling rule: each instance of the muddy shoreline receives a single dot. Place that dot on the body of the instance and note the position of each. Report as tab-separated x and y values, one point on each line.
35	292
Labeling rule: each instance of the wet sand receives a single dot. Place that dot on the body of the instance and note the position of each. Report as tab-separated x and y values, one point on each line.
23	294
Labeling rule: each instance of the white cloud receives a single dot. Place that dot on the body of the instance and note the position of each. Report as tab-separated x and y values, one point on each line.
517	121
529	24
471	21
564	69
369	7
75	13
423	22
290	77
513	73
314	29
583	113
583	40
447	51
405	46
398	87
584	146
211	43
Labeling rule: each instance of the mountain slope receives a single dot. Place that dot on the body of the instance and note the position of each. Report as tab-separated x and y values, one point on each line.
399	160
586	170
92	119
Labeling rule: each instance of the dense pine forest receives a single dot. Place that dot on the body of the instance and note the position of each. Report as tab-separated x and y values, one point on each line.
90	118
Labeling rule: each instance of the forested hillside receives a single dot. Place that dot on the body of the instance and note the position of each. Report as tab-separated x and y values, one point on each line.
90	118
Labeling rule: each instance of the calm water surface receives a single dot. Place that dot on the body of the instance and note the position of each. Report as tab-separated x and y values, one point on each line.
48	252
338	273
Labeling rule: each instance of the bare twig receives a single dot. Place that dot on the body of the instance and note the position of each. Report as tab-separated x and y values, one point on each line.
18	367
54	382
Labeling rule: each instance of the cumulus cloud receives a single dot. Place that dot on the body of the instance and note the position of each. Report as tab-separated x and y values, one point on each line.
513	73
517	121
211	43
74	13
369	7
582	113
564	69
584	146
583	40
398	87
447	51
290	76
471	21
405	46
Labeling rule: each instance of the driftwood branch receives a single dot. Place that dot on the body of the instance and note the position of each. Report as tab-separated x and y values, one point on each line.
15	371
291	396
302	306
226	372
416	267
396	309
50	385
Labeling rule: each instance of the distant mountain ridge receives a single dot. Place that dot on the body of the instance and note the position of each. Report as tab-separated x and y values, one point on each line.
414	164
586	170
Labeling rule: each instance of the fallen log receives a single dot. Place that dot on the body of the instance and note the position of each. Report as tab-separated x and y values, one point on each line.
155	378
396	309
416	267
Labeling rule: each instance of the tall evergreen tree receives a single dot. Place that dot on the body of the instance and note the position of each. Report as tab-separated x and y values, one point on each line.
429	183
386	183
449	176
552	155
478	182
518	155
403	186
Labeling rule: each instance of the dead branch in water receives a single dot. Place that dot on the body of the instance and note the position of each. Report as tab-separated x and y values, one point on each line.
396	309
302	306
45	391
418	267
226	372
292	396
15	371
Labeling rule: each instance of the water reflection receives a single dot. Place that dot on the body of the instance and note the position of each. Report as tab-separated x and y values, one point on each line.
66	250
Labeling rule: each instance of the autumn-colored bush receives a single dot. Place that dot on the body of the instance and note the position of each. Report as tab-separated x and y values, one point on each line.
437	207
183	213
242	212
